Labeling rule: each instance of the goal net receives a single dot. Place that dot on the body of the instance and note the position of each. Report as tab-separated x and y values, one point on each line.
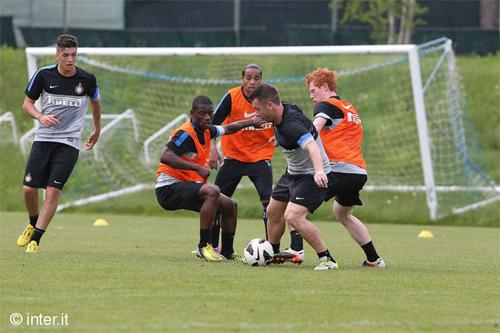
417	133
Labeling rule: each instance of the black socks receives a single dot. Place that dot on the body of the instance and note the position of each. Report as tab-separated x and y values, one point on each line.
371	253
296	241
204	238
214	236
325	255
33	220
37	235
276	248
227	244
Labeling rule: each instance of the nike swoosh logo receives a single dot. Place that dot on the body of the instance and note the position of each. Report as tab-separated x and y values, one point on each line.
56	182
347	106
52	87
299	198
258	255
248	115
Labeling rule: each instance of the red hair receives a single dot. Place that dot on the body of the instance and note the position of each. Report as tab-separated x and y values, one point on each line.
321	76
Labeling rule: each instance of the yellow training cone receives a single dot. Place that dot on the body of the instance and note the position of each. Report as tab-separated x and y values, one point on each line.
425	234
100	223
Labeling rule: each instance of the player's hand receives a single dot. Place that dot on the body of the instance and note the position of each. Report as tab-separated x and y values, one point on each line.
214	159
203	172
257	122
48	120
92	140
321	179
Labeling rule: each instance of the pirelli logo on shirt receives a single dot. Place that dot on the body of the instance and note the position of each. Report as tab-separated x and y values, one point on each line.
64	101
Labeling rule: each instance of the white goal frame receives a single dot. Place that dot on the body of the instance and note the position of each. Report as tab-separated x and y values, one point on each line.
9	117
411	50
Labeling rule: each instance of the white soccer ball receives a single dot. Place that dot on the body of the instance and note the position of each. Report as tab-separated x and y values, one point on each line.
258	252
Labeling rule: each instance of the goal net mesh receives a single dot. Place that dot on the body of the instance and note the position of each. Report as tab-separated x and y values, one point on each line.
160	88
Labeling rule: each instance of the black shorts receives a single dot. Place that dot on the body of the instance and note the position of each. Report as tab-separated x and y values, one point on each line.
260	173
50	164
301	190
345	188
181	195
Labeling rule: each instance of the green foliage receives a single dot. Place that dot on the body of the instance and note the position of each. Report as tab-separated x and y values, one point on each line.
377	14
138	275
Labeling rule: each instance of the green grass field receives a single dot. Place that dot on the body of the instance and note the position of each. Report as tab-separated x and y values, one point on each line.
138	275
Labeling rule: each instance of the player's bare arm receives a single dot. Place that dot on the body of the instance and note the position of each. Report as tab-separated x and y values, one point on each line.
319	173
319	123
96	119
238	125
30	109
215	159
170	158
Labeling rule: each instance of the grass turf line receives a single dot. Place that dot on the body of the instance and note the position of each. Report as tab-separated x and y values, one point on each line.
138	275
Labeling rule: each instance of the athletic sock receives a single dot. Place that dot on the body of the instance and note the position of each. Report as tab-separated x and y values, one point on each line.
325	255
276	248
371	253
204	238
227	244
264	218
296	241
33	220
215	233
37	235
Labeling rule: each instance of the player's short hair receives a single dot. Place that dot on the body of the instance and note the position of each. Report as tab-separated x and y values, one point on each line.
66	41
255	66
321	76
198	101
266	92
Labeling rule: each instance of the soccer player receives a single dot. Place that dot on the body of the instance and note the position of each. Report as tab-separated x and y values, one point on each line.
339	125
64	89
183	172
246	153
302	188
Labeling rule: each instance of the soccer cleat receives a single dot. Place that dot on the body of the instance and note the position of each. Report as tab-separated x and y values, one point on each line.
25	237
32	247
233	256
209	254
379	263
289	255
198	254
326	265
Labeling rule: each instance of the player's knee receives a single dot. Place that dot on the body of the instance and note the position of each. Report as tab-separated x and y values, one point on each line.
292	218
212	191
29	191
52	193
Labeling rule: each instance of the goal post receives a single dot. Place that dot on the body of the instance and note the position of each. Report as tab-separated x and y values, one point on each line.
417	136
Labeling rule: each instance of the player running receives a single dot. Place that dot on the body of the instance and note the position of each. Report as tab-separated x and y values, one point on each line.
64	89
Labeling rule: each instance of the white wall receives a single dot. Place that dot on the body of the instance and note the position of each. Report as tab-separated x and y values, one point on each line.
98	14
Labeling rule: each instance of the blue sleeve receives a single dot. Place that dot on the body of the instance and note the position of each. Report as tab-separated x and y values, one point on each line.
94	93
304	140
181	143
35	86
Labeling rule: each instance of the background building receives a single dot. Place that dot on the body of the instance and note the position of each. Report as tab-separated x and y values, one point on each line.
472	24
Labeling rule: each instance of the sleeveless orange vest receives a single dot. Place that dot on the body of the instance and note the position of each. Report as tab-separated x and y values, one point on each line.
248	145
343	143
201	157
